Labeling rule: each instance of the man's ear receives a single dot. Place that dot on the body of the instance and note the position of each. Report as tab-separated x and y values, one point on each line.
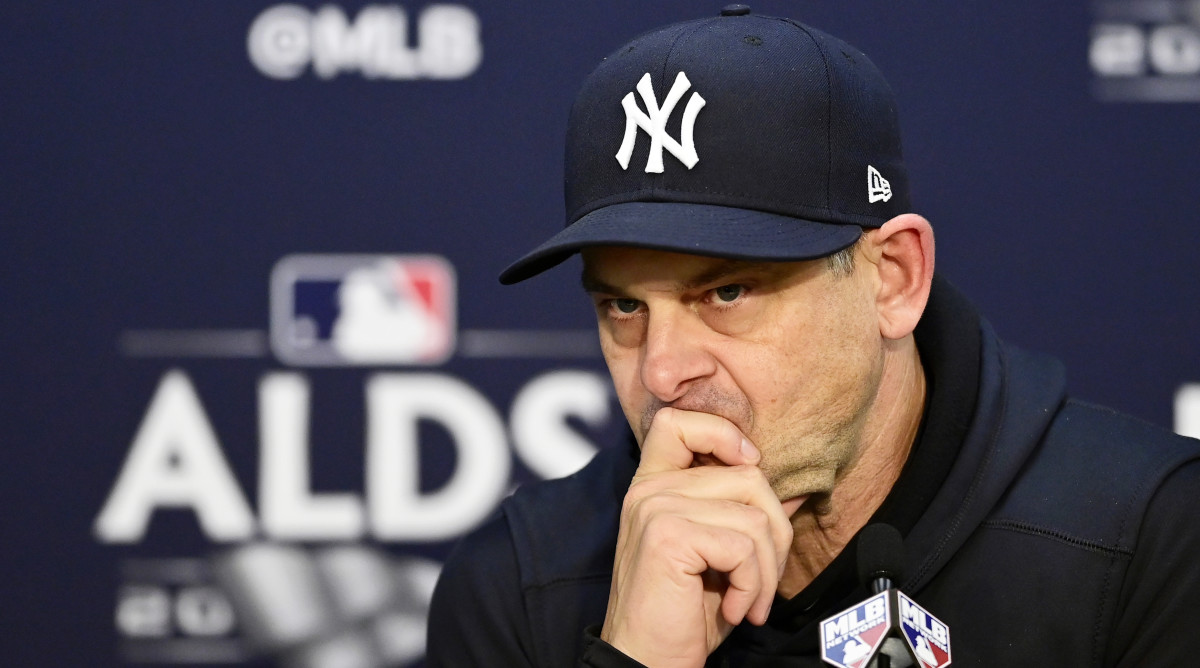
902	251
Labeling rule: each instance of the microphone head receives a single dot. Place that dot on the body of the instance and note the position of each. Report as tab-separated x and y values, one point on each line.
880	554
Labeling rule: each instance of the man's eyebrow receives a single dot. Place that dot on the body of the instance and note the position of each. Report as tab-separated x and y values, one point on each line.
719	271
708	276
593	285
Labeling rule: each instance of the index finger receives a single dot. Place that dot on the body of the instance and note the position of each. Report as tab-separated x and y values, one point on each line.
676	436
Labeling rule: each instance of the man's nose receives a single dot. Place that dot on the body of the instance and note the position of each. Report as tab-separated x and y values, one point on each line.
675	354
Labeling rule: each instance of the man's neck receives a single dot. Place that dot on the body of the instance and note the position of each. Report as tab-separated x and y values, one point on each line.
820	533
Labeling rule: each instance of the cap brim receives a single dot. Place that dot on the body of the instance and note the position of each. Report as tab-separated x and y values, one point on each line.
698	229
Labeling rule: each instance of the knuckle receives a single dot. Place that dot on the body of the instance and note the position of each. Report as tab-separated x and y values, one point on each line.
662	529
643	501
657	504
750	476
749	473
740	544
638	490
645	485
757	519
786	534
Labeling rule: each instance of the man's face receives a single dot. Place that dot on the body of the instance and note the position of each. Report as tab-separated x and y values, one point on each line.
790	352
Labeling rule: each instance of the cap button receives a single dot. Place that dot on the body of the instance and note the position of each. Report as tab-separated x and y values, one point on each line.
735	10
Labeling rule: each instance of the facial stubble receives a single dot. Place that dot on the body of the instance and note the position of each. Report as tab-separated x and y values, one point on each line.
802	464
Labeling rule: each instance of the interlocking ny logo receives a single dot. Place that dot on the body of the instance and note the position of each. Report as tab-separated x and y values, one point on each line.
655	124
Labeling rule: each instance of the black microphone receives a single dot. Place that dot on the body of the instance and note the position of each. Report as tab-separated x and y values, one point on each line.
887	629
880	567
880	557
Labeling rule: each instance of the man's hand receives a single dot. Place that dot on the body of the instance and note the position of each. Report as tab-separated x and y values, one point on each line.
700	548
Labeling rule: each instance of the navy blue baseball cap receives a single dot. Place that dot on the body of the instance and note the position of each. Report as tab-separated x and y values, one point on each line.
740	136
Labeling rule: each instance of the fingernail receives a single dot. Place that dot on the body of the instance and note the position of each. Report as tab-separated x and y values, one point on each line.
748	450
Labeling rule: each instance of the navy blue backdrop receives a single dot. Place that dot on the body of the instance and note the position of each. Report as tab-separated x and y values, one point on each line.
210	210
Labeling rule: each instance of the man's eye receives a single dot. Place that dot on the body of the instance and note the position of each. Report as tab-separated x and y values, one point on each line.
626	305
728	293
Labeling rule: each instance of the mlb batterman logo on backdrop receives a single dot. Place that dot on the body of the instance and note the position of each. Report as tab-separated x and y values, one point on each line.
346	310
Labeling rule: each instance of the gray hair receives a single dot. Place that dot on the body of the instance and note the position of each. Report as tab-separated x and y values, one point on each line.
841	263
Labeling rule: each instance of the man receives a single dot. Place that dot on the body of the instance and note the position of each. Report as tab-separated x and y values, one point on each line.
793	370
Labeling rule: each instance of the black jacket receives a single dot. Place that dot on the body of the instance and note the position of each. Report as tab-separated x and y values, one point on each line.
1043	532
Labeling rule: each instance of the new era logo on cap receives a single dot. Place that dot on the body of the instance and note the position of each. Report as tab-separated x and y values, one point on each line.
878	188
